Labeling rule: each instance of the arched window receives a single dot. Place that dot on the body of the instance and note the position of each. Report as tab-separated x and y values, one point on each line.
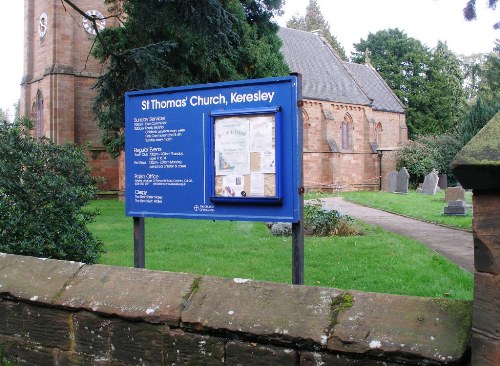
38	115
346	132
378	134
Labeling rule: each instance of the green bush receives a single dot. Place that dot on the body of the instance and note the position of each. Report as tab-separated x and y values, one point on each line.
319	221
425	153
44	189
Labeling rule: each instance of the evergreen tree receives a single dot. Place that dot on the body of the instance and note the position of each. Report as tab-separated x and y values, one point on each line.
446	88
480	113
176	42
490	83
428	82
314	21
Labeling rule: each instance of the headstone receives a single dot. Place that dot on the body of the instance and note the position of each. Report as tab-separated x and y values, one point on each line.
402	181
456	208
454	194
430	183
392	178
443	181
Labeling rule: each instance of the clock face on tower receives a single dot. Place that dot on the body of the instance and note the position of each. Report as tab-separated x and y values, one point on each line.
43	24
99	20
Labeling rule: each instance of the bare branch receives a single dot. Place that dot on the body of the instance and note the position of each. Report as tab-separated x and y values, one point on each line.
91	19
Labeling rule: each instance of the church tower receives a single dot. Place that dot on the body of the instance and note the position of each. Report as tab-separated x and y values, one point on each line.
59	73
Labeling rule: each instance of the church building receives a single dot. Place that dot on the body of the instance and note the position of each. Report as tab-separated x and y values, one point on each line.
352	121
59	73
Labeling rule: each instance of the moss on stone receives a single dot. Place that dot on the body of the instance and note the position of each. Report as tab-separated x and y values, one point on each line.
340	303
482	149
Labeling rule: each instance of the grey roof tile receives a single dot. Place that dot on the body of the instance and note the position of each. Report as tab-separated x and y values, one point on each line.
326	77
375	87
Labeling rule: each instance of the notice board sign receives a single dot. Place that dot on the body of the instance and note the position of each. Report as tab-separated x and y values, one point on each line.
224	151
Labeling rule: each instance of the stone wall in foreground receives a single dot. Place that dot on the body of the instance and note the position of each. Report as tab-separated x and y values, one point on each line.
66	313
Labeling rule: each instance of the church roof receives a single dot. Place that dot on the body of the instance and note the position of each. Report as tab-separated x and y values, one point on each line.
326	77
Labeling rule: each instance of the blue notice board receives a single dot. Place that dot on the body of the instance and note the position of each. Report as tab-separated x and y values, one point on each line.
224	151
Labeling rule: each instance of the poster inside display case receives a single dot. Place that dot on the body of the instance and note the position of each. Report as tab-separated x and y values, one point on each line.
246	156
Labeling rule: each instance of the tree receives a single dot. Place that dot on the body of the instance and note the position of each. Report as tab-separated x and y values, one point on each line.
490	83
4	115
314	21
44	189
172	43
470	10
446	88
480	113
418	76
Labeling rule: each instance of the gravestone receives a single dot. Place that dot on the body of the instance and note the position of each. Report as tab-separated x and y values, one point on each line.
392	178
430	183
402	181
456	208
443	181
454	194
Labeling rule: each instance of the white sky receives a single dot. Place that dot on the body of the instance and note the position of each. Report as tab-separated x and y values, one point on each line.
350	20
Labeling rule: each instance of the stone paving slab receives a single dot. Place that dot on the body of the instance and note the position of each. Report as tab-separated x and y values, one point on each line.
456	245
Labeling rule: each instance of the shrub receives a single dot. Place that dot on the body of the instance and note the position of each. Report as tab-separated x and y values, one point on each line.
425	153
318	222
44	189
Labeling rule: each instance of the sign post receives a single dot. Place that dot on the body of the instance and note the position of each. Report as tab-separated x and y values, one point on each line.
223	151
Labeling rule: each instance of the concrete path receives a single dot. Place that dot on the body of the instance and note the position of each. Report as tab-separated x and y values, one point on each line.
456	245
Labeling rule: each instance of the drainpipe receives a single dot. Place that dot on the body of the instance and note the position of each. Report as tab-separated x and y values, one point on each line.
380	154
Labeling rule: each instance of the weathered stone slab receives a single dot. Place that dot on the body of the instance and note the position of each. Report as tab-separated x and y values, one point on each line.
77	359
485	351
257	309
402	181
137	343
392	178
91	334
486	232
322	358
49	327
486	314
456	208
34	279
443	181
254	354
95	289
381	324
23	353
181	348
11	318
454	194
430	185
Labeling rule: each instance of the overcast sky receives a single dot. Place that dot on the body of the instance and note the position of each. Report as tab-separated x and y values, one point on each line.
350	20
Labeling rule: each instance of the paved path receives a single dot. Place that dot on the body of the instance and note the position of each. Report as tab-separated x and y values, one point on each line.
456	245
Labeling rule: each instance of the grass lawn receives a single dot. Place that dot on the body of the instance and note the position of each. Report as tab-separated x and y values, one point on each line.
377	261
413	204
